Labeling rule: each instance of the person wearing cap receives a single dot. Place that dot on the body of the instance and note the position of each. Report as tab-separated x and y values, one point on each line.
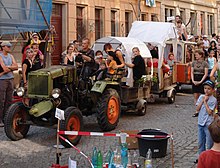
205	105
206	42
34	40
6	80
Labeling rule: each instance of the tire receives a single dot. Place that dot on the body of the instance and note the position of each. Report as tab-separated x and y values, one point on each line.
143	110
16	112
109	110
73	122
171	99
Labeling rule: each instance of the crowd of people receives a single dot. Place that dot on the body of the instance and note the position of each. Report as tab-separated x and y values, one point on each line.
89	63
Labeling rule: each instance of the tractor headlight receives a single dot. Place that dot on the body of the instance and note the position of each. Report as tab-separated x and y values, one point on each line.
20	91
56	93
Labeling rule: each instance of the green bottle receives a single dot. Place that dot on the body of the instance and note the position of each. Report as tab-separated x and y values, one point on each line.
100	160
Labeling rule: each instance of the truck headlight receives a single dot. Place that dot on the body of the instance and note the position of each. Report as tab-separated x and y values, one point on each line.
20	91
56	93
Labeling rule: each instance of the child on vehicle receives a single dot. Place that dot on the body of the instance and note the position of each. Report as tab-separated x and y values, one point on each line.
210	158
101	73
111	64
205	106
171	61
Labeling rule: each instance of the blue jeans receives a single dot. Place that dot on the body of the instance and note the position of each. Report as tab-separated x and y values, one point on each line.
204	138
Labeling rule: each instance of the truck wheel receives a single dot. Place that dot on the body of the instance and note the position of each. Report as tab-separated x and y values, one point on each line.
171	99
16	114
73	122
109	109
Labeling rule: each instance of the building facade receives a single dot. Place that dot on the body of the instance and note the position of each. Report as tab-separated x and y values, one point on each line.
98	18
77	19
199	16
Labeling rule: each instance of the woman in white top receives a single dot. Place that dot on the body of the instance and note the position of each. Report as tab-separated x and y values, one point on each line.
70	56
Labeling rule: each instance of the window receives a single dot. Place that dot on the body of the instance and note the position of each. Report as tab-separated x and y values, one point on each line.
127	22
98	23
154	18
182	15
202	23
171	12
193	23
144	16
57	9
168	13
80	27
210	24
113	23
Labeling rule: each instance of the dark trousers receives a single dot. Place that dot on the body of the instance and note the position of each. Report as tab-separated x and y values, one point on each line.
6	91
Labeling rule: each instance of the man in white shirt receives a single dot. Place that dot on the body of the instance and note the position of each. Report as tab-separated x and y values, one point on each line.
206	42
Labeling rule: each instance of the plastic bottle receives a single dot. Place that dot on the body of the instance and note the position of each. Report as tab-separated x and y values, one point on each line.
148	160
129	160
111	161
117	158
107	158
95	157
135	161
124	150
99	160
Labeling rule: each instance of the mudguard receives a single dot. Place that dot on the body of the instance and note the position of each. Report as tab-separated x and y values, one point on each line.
100	86
41	108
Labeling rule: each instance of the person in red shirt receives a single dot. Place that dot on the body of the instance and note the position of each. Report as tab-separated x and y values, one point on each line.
210	158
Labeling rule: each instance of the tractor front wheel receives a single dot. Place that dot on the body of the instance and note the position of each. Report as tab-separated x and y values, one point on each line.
15	118
73	122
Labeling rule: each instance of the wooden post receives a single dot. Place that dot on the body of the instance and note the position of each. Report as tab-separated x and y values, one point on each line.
58	152
172	150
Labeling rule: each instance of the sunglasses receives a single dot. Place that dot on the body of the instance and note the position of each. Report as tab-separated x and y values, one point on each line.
30	52
7	46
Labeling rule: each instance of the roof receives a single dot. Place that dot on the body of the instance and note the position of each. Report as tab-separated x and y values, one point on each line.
156	33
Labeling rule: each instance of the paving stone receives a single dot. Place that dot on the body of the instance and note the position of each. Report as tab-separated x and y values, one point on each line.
37	149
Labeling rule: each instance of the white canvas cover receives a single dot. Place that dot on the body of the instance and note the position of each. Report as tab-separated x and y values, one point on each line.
125	44
156	33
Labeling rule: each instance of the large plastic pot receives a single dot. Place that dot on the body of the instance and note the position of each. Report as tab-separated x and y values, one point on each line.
158	146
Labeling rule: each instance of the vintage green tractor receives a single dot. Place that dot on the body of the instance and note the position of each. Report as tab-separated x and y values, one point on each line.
58	87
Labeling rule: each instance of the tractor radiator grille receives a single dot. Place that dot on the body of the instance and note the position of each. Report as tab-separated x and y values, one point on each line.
38	86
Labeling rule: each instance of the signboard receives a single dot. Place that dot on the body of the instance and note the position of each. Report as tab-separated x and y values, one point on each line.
151	3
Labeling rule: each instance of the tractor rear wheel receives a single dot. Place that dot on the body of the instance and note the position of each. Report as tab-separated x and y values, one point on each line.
109	110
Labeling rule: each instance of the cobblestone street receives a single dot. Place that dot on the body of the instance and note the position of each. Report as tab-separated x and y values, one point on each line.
37	149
